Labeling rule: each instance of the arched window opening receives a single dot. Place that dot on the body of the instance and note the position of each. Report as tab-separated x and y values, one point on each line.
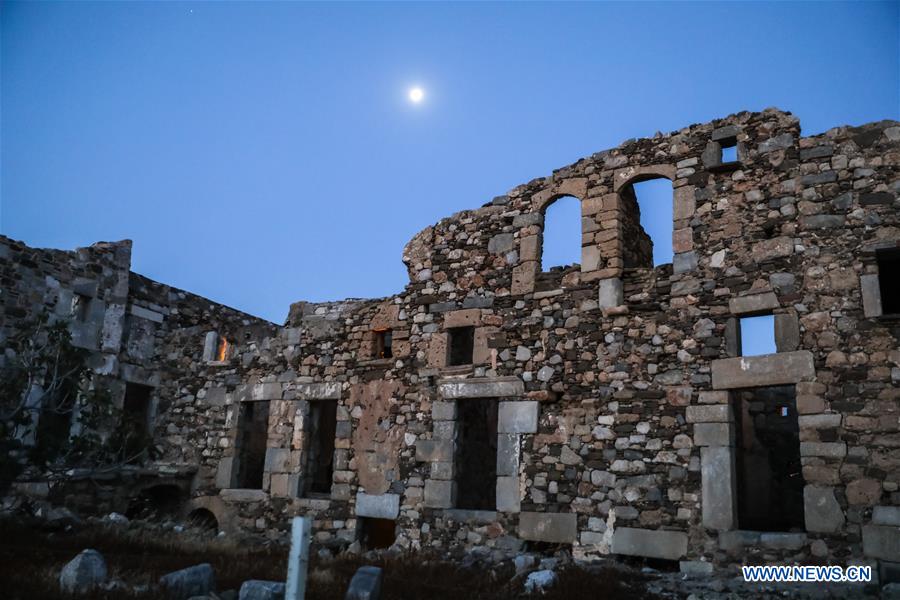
562	233
651	243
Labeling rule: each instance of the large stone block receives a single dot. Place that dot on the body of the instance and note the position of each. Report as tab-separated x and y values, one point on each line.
886	515
507	454
709	413
754	303
610	293
557	528
440	494
278	460
434	450
669	545
880	541
493	387
443	411
717	482
713	434
508	494
871	295
518	417
757	371
822	512
787	332
384	506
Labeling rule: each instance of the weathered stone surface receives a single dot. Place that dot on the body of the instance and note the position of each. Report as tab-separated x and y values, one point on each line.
508	454
755	303
440	494
882	542
787	332
822	512
718	500
769	369
365	584
434	450
871	295
255	589
508	494
710	413
669	545
559	528
481	388
198	580
610	293
886	515
713	434
318	391
518	417
83	573
384	506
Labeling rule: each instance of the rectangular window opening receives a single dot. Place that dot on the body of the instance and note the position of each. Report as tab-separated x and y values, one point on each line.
888	271
757	335
81	305
136	420
383	342
377	534
461	345
729	152
253	433
476	454
320	456
769	474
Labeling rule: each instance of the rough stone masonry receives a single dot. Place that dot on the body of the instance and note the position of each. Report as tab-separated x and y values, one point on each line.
496	406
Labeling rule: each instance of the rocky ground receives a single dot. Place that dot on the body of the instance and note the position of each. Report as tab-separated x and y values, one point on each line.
36	544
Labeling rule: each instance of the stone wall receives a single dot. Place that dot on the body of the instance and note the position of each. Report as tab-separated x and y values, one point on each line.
615	428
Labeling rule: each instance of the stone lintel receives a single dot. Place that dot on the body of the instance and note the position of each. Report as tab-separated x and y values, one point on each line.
757	371
483	387
383	506
319	391
754	304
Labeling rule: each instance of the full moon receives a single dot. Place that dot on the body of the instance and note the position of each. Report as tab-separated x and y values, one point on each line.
416	94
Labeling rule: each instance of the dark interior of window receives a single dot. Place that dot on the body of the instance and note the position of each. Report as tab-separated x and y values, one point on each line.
383	341
461	345
252	436
377	533
769	475
136	420
476	454
320	457
889	271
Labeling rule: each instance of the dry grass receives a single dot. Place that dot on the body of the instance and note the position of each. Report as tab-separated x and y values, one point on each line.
30	562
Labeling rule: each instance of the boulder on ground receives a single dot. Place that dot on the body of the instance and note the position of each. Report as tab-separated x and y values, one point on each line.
198	580
255	589
365	585
83	573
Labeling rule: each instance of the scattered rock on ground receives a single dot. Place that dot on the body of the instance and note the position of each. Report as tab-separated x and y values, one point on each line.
365	585
539	580
83	573
255	589
198	580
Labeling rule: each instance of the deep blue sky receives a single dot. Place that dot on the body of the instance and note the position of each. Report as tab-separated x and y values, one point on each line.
262	153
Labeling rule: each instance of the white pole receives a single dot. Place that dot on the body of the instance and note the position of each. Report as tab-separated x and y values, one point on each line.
298	559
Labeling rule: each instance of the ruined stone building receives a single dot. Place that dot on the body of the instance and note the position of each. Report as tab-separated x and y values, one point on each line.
498	406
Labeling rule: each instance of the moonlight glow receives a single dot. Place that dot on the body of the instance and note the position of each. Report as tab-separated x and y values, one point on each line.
416	95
